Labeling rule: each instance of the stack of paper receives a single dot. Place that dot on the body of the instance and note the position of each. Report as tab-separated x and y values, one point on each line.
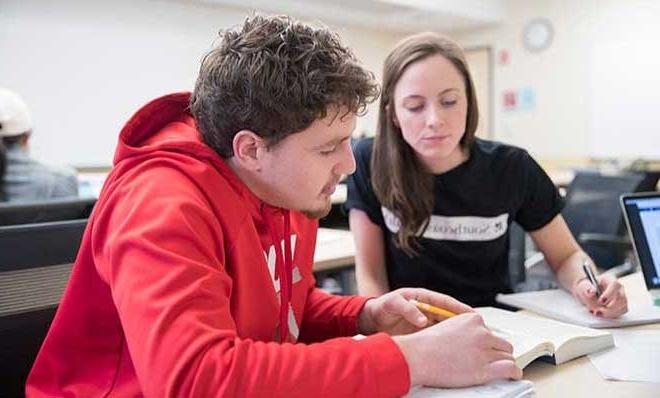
496	389
635	357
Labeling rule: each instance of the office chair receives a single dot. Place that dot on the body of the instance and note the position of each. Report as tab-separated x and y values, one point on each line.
594	218
527	270
35	265
14	213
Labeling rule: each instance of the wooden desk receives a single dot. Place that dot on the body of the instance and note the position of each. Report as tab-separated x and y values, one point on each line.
579	378
334	249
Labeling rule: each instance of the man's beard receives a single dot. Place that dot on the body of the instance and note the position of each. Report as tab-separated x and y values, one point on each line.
318	213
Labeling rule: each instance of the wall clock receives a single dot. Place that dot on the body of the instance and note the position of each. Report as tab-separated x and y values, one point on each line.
538	34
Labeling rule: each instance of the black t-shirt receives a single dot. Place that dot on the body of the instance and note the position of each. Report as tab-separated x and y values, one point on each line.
464	250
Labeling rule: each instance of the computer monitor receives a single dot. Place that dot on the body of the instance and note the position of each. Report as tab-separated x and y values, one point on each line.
642	215
14	213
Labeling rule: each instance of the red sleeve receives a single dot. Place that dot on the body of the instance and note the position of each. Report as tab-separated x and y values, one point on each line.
327	315
172	295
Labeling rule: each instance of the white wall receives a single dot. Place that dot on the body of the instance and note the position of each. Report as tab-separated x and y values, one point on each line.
371	47
84	67
596	87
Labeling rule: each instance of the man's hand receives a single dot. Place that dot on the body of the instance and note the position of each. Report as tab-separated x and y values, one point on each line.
393	313
460	351
455	352
611	304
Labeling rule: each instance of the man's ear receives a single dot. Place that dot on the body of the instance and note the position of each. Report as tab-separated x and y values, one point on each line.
248	148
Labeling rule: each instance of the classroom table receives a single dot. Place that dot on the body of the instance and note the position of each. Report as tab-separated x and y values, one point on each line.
576	378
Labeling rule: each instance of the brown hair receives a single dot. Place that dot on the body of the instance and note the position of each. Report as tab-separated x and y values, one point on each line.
407	188
274	76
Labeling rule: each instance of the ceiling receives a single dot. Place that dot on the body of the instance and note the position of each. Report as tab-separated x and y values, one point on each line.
396	16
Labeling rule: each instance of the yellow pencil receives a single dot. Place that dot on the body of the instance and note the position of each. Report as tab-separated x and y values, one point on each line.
432	309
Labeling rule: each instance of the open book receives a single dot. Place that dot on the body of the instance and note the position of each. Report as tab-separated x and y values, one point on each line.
560	305
533	337
496	389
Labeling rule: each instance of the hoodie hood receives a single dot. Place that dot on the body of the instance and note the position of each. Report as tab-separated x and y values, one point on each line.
165	128
164	124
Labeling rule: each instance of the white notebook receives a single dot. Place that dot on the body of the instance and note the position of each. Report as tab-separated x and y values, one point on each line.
560	305
496	389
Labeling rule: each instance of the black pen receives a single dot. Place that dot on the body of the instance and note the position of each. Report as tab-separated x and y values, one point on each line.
592	278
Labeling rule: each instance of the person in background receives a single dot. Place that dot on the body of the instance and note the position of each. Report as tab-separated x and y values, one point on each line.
430	204
194	277
26	179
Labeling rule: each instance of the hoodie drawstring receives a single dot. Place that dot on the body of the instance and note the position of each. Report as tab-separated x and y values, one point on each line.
283	267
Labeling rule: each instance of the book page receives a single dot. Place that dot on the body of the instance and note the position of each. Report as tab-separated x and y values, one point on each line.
527	332
542	328
526	347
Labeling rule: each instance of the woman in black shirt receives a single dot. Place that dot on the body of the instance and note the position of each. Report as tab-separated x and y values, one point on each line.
430	204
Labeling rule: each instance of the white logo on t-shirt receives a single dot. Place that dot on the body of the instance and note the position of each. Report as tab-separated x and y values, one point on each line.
459	228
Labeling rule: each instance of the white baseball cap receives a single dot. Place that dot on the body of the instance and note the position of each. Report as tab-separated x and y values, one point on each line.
14	116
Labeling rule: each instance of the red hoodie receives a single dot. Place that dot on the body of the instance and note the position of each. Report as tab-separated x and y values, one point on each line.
176	288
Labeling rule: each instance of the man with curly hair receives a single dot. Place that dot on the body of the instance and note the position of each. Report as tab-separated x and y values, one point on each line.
194	278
